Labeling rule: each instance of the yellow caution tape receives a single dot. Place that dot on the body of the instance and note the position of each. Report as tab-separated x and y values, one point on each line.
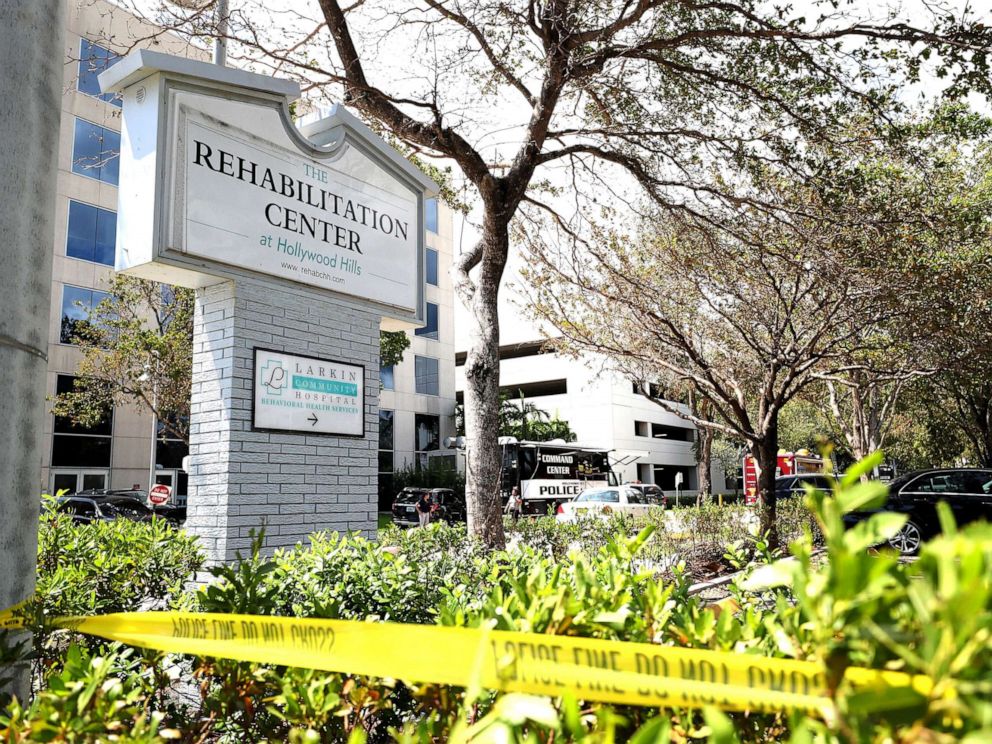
590	669
8	618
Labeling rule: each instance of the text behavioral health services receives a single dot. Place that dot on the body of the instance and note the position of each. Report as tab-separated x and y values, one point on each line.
290	187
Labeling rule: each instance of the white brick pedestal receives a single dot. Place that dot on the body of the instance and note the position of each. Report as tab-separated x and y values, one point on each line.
293	484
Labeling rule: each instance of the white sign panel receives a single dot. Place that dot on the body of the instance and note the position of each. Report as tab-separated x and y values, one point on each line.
253	204
557	489
305	394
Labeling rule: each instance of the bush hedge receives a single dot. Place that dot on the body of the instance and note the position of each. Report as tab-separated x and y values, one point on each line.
849	606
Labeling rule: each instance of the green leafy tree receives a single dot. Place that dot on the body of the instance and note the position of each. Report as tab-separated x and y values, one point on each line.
753	307
137	348
392	345
524	420
802	425
552	428
934	194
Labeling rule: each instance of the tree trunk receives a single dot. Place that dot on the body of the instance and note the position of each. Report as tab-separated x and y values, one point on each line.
765	452
704	463
982	414
483	469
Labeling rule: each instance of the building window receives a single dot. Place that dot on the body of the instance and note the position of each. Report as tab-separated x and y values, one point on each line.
430	215
92	233
432	266
76	446
95	151
426	370
674	433
641	428
77	304
75	481
385	442
427	437
386	438
169	452
387	378
653	389
94	59
430	328
386	459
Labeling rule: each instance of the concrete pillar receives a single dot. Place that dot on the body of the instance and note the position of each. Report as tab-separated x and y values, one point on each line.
294	484
32	60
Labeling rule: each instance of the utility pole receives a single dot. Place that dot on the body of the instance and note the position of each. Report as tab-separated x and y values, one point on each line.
32	58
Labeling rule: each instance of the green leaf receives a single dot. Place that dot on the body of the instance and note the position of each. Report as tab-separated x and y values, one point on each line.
875	530
862	496
721	727
770	576
947	524
861	468
656	731
615	619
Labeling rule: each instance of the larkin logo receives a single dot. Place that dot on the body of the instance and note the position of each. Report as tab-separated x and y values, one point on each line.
273	377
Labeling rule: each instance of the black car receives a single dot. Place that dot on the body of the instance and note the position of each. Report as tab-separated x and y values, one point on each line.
82	510
448	506
133	504
967	491
787	486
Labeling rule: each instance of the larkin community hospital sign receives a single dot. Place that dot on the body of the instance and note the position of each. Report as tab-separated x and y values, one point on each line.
298	393
302	243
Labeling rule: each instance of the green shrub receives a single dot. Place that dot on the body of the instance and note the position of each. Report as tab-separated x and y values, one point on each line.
91	698
103	567
848	607
111	566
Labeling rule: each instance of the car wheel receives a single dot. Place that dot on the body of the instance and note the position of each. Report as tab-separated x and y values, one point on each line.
907	540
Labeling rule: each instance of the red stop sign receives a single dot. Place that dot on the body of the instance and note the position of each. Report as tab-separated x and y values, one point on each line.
160	494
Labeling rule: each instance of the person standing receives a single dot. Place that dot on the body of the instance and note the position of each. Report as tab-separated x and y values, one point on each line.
424	508
515	504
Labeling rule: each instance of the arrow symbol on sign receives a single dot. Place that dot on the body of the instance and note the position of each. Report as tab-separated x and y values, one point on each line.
312	418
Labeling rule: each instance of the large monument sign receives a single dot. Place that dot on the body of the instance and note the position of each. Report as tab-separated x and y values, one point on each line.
301	244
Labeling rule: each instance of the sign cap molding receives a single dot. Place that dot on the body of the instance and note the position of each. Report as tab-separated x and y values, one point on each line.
142	63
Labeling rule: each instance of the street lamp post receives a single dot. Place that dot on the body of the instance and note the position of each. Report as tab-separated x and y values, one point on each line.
220	42
150	375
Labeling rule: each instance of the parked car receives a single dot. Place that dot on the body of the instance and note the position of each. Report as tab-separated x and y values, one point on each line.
133	504
967	491
652	493
787	486
124	507
607	500
447	505
83	510
171	513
